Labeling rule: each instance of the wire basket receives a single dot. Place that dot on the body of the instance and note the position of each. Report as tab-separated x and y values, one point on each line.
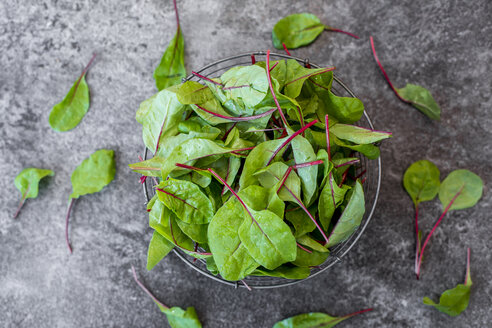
371	186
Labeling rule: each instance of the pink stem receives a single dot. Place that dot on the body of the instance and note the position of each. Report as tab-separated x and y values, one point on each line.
238	119
274	65
264	130
354	161
467	266
189	167
253	59
285	48
355	313
21	203
417	240
360	174
363	180
384	72
81	76
228	131
206	78
246	285
284	120
328	69
146	290
434	229
342	31
175	197
298	166
286	142
176	11
344	178
303	248
327	124
66	224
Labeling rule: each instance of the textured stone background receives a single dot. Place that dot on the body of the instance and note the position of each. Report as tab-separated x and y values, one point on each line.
442	45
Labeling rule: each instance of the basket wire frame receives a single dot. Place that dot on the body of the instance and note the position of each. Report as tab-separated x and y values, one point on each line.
371	187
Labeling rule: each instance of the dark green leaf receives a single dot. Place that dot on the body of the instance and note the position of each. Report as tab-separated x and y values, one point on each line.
305	259
171	70
357	134
371	151
283	271
314	320
421	99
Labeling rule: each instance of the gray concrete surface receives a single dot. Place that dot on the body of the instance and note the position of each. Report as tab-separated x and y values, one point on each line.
442	45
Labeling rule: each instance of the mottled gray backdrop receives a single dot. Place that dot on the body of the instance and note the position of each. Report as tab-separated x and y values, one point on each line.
442	45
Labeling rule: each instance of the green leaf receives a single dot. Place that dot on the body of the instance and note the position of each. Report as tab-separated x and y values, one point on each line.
68	113
94	173
296	75
230	255
303	153
344	109
271	177
421	181
296	30
468	184
357	134
257	159
370	151
351	217
159	247
314	320
192	92
301	222
197	232
186	200
330	199
27	181
245	84
421	99
454	301
171	70
311	243
179	318
283	271
305	259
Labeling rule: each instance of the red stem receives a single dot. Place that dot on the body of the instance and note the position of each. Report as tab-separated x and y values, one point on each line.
344	178
342	31
176	197
303	248
356	313
66	224
354	161
417	240
384	72
228	131
274	65
146	290
286	142
238	119
206	78
298	166
81	76
434	229
285	48
253	59
21	203
327	124
176	11
328	69
284	120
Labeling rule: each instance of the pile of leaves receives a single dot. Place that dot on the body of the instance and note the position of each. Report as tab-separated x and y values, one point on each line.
255	170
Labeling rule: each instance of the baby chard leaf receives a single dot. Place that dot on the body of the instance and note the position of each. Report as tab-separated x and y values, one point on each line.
159	247
171	70
246	84
454	301
68	113
283	271
421	181
297	74
27	182
186	200
177	317
351	217
357	134
330	198
192	92
467	184
412	94
93	174
314	320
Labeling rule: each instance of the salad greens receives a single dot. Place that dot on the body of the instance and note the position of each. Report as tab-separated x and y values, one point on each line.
314	320
68	113
176	316
255	169
27	182
171	68
299	30
93	174
415	95
454	301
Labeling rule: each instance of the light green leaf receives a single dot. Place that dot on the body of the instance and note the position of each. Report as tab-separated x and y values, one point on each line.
27	181
370	151
351	217
186	200
421	99
358	135
296	75
271	177
68	113
421	181
245	84
313	320
330	198
159	247
171	70
311	243
305	259
300	220
192	92
283	271
467	184
296	30
94	173
179	318
303	153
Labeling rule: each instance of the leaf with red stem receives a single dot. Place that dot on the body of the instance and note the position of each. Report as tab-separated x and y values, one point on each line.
266	236
68	113
285	48
27	182
272	90
171	69
289	139
296	76
237	119
329	199
186	200
412	94
315	320
176	316
454	301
